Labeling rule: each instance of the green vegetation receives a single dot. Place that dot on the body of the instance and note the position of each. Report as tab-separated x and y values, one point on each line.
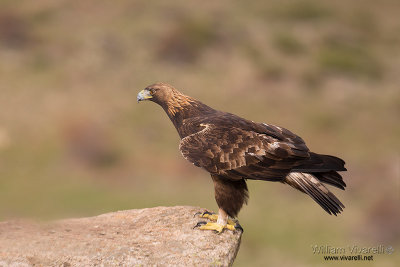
303	10
349	60
288	44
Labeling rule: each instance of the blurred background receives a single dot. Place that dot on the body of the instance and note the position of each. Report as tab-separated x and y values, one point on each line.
74	142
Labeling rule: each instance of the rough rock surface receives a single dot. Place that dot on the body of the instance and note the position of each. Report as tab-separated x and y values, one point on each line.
156	236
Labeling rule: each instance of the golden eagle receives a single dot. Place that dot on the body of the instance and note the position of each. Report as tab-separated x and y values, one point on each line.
233	150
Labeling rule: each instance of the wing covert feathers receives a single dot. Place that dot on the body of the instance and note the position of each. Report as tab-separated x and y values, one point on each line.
236	154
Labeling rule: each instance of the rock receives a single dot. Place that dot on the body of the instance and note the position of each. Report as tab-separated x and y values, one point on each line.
148	237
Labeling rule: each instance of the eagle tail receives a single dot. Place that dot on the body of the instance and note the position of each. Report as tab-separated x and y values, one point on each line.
325	168
332	178
312	186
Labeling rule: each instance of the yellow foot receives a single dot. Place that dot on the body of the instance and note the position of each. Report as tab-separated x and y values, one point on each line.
215	226
213	217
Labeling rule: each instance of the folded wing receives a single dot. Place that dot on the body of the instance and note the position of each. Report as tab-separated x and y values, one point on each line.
236	153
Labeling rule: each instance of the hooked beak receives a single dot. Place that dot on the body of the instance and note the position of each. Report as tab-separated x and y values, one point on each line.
143	95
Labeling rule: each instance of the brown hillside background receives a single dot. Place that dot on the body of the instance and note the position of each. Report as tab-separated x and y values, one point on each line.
74	142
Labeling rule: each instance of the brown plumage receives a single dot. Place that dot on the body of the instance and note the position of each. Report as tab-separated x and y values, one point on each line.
233	149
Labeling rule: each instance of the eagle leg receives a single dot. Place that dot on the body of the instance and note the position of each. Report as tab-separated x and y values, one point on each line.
213	217
220	223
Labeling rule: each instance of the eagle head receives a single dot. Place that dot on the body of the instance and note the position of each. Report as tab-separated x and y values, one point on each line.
158	93
177	105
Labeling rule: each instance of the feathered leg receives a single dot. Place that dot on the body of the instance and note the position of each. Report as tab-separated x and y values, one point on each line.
230	196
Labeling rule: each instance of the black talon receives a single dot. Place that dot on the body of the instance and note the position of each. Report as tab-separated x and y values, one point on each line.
197	213
203	213
238	227
199	224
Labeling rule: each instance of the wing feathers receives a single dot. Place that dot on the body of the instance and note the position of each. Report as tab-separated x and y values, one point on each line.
226	151
309	184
